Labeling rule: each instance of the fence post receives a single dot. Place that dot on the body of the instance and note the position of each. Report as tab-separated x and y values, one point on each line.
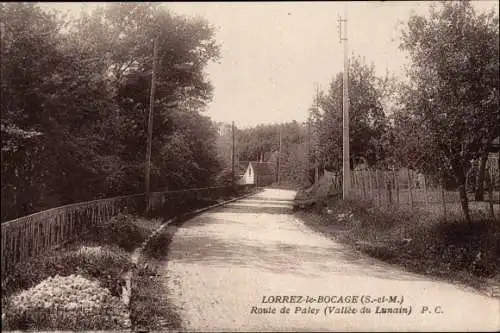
374	187
379	194
490	193
370	180
426	193
363	174
389	192
396	186
353	184
357	181
443	199
409	189
382	190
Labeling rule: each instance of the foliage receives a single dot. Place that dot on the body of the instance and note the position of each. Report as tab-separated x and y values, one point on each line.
444	249
367	120
450	104
150	309
70	302
262	142
102	255
121	230
75	101
106	266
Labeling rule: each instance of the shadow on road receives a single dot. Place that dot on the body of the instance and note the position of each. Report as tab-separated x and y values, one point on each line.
243	209
258	234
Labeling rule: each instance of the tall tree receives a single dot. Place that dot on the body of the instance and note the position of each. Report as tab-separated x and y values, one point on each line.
262	142
452	96
367	120
75	97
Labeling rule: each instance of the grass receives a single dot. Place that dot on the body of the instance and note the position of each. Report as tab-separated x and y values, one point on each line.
151	308
50	319
117	240
422	243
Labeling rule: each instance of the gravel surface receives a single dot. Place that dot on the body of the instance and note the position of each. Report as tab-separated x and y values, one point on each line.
225	265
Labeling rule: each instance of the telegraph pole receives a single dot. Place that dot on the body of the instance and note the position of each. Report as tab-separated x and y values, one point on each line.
232	155
316	139
346	168
279	155
150	122
308	147
2	86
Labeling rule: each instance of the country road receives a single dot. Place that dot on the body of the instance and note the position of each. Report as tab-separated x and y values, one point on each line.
227	265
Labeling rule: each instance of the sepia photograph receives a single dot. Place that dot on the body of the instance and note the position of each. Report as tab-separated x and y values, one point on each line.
260	166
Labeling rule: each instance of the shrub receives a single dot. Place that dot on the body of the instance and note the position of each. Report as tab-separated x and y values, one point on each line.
157	247
107	267
422	243
65	302
120	231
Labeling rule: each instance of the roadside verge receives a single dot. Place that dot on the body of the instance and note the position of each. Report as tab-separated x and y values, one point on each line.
452	251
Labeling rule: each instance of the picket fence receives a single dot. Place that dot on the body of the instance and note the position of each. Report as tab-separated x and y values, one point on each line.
33	235
406	189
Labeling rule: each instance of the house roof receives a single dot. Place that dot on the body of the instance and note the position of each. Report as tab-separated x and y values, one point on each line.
263	168
495	145
242	166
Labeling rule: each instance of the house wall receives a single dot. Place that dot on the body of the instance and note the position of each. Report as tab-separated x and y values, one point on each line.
249	176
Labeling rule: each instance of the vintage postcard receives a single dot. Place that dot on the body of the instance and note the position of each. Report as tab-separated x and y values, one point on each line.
250	166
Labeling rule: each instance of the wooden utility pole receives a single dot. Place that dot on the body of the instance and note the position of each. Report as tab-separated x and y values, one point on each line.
232	155
150	122
308	148
346	168
2	76
279	156
316	139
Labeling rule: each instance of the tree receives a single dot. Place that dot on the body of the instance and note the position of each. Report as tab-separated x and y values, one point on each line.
75	98
452	96
262	142
48	89
366	116
124	32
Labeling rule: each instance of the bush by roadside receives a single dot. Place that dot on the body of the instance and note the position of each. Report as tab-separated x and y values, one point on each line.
450	249
71	302
125	231
101	255
114	240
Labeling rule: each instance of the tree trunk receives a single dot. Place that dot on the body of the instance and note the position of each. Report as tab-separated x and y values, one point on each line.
464	202
470	184
460	177
443	199
479	188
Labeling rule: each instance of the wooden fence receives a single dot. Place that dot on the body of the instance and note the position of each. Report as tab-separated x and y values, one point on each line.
408	190
35	234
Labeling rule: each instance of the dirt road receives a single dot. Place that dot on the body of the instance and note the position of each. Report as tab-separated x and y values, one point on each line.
228	266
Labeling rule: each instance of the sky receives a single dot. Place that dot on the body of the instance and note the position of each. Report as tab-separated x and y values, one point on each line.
274	53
